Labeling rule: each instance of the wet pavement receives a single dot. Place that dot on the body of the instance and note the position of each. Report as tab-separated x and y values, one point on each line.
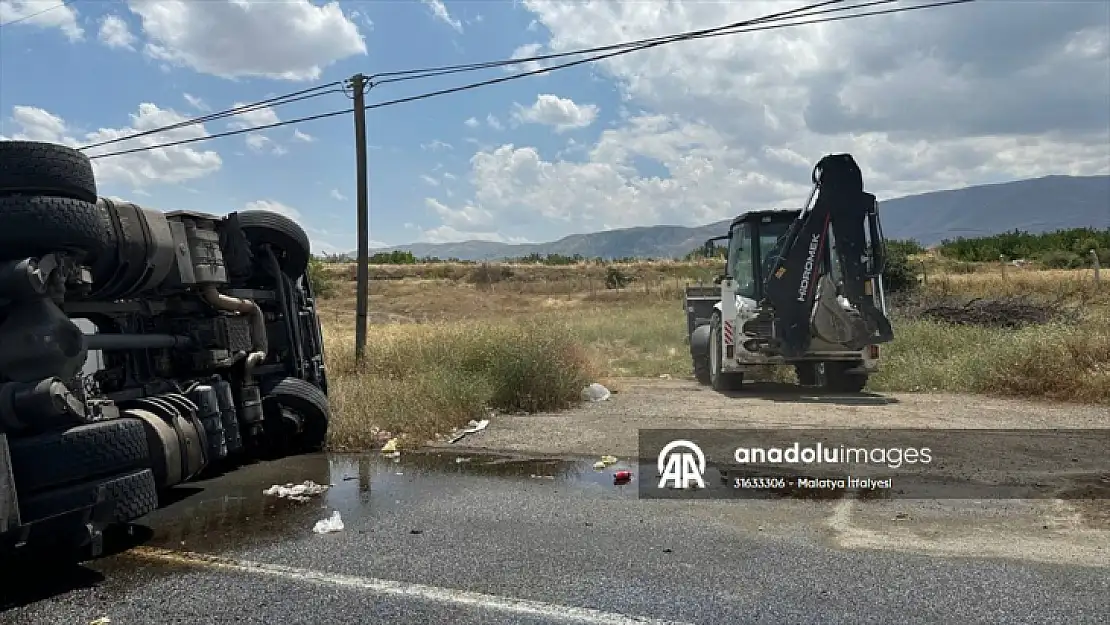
442	538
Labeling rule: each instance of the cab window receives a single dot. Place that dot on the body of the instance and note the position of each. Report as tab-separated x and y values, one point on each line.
740	267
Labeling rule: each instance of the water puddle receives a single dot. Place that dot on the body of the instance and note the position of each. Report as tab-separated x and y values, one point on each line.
231	511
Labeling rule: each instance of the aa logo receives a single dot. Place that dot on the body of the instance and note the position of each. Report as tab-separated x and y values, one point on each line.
681	465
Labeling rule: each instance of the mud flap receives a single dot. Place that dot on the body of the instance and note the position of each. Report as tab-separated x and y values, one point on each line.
9	503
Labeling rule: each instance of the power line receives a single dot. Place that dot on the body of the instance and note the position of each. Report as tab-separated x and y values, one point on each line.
398	76
38	13
722	31
694	35
230	133
289	98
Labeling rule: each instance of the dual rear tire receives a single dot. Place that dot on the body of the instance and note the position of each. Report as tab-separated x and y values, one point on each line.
48	200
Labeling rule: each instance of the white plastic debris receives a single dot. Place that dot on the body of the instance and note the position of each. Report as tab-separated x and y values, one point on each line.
295	492
475	427
595	392
334	523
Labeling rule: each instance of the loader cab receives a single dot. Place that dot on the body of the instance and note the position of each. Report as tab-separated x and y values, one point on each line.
753	241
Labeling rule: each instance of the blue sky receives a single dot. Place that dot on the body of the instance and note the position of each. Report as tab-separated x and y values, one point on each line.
687	134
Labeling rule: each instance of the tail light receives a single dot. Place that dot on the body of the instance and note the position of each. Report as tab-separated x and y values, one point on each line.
873	352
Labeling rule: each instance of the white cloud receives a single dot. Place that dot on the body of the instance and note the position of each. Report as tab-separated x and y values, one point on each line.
494	123
336	195
172	164
262	144
253	117
440	12
526	51
428	180
926	100
289	40
303	136
196	102
472	122
42	14
551	110
274	207
114	33
436	146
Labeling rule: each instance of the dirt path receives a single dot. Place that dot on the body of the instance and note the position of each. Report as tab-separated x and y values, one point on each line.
610	427
1049	530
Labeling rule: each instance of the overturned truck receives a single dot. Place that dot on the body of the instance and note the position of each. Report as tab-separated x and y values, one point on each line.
801	287
207	346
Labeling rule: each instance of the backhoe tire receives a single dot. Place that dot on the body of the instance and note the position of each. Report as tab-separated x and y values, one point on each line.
40	225
701	370
718	379
79	454
838	380
31	168
307	400
288	240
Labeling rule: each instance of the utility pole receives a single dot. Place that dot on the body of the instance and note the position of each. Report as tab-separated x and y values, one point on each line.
358	91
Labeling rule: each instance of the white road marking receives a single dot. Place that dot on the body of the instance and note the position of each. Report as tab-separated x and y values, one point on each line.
449	596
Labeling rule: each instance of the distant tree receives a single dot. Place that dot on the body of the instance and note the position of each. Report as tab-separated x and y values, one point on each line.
1070	247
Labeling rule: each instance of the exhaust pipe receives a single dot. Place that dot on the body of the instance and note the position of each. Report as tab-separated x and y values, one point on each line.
246	307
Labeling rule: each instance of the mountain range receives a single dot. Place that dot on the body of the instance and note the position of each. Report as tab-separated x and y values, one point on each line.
1034	205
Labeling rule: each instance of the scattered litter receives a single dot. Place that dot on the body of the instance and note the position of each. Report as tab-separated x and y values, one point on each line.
664	376
334	523
543	477
295	492
595	392
608	460
475	427
390	446
599	465
901	516
400	473
461	460
416	532
396	455
348	478
672	351
104	620
622	477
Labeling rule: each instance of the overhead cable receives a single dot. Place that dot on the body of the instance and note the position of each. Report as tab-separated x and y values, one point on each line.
289	98
695	35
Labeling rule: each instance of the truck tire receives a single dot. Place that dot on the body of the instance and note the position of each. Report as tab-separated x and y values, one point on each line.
39	225
134	495
718	379
838	380
48	169
305	399
289	240
57	459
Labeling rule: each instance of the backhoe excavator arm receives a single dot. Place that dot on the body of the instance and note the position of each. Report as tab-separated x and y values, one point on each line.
791	283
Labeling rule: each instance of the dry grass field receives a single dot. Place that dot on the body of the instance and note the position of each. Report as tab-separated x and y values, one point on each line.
449	342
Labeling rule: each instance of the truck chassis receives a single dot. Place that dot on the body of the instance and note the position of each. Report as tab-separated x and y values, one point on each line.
207	327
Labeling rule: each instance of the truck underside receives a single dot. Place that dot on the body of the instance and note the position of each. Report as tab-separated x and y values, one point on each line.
801	287
208	351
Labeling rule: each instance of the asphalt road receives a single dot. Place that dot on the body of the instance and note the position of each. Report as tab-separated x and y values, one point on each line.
429	539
